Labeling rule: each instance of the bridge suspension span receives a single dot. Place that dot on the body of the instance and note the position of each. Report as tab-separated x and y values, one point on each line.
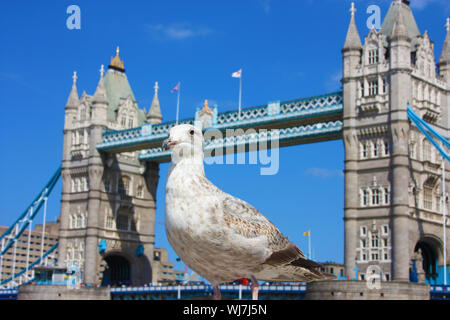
10	238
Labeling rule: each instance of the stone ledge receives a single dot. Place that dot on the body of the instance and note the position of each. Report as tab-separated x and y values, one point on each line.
54	292
358	290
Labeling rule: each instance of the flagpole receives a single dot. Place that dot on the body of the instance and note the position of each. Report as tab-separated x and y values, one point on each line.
240	94
178	100
444	217
309	244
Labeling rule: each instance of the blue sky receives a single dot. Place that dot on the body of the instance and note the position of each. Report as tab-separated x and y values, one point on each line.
288	49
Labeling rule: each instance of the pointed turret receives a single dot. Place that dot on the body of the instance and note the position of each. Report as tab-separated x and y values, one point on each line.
444	61
399	31
445	55
100	92
352	41
409	22
100	103
73	100
352	49
154	114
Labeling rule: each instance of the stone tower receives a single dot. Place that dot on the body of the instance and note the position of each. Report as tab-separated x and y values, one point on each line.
393	181
108	201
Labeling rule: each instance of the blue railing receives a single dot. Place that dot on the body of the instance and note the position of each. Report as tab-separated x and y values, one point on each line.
271	113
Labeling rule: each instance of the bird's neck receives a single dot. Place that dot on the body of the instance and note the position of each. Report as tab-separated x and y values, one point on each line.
188	166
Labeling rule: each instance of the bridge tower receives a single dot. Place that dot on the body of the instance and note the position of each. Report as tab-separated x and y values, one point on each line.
393	184
108	201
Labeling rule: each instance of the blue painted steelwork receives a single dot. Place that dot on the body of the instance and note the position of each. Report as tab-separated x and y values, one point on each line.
31	266
428	132
189	292
28	215
439	292
276	114
8	294
102	246
283	135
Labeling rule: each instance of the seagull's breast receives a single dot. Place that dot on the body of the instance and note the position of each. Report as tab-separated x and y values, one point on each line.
191	216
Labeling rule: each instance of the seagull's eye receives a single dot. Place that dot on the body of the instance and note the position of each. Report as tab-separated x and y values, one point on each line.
191	132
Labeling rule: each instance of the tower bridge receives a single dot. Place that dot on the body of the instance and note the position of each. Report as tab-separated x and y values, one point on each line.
393	204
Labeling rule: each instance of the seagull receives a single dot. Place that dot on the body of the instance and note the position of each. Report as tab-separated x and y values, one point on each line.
220	237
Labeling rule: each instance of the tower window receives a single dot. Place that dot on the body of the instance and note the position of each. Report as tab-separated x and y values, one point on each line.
427	198
365	197
375	196
373	56
375	149
363	243
375	242
386	196
364	151
373	88
384	83
363	230
386	148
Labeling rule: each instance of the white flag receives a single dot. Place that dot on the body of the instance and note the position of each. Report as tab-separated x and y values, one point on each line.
237	74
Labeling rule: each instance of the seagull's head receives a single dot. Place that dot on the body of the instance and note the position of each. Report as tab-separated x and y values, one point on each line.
184	140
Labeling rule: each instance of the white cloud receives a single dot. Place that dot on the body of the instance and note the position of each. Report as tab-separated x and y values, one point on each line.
178	31
266	6
324	173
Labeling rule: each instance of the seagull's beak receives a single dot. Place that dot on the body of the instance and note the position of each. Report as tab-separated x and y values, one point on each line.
168	143
165	144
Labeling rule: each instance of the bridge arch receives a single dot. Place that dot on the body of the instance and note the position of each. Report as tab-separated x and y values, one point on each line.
430	248
118	269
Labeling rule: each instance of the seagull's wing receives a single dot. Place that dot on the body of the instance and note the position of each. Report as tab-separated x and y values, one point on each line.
247	221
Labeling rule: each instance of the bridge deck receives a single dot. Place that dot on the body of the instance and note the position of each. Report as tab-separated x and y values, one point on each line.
299	121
